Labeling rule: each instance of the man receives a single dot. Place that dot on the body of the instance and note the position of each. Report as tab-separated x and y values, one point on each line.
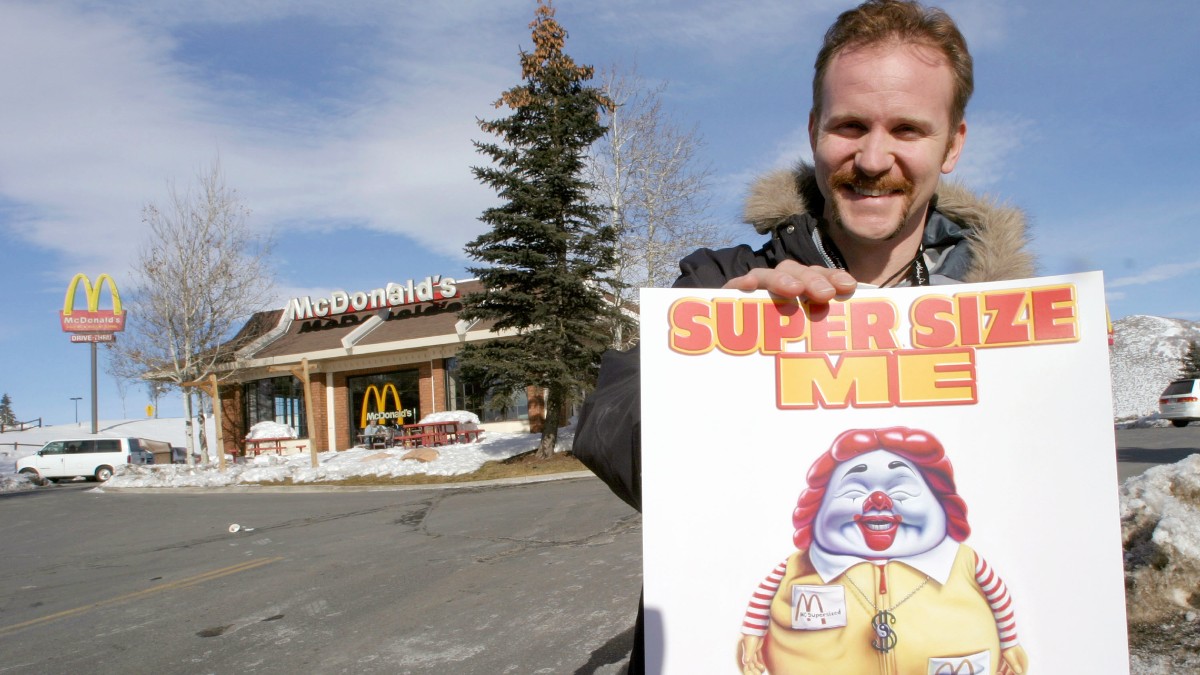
890	90
880	580
372	433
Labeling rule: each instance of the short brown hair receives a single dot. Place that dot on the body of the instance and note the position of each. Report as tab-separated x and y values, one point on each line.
904	21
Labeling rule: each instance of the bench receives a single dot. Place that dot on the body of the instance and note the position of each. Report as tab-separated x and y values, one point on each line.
260	445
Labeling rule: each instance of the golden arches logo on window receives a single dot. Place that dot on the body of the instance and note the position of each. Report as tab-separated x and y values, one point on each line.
93	319
380	396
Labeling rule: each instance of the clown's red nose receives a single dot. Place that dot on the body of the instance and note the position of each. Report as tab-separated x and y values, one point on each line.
877	501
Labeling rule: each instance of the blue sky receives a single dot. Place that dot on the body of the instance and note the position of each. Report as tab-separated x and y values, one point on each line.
347	127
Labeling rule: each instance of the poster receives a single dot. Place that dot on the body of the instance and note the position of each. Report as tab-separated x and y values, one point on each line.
915	480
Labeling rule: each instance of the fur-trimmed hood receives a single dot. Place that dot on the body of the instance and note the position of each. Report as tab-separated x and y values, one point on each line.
996	233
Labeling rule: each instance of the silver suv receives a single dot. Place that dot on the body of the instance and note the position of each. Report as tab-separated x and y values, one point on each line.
1180	402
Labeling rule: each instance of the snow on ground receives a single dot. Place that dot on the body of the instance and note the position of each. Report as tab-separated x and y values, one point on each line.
1160	525
451	460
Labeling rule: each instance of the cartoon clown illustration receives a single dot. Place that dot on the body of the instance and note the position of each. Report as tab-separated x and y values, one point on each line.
881	581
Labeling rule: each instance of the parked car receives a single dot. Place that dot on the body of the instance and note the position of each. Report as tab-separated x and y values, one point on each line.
93	458
1180	402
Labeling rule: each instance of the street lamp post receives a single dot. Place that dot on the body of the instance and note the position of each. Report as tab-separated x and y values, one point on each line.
77	399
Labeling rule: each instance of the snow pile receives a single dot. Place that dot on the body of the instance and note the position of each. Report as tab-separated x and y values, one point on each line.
1145	357
452	460
15	483
264	430
467	419
1160	527
332	466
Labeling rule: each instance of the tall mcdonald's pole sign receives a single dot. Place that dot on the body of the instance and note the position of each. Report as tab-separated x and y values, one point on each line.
93	319
92	324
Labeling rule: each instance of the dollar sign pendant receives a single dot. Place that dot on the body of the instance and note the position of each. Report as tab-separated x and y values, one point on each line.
886	636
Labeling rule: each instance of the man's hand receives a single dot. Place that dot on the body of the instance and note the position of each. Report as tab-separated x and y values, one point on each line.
790	279
1014	661
750	655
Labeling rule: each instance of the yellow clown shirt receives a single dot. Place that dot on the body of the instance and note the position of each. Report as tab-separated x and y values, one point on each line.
921	615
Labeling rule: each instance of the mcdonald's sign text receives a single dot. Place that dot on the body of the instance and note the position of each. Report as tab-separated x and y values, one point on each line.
380	397
432	288
93	337
93	319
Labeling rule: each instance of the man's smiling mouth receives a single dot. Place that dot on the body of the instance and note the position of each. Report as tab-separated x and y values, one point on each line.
873	192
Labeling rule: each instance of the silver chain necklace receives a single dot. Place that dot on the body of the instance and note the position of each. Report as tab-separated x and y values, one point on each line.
881	624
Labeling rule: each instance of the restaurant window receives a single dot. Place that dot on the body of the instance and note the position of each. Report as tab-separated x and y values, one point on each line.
276	399
488	405
391	398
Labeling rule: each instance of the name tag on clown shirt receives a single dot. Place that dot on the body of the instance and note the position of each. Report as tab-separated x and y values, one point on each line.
909	480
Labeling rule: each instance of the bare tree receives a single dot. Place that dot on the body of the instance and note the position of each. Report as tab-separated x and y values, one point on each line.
200	272
156	390
653	184
123	392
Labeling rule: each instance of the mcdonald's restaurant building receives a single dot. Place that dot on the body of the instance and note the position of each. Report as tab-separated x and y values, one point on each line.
381	354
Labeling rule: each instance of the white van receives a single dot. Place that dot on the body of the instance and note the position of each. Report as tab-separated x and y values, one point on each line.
93	458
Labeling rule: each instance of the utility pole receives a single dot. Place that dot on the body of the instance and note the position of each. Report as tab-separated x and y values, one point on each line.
95	404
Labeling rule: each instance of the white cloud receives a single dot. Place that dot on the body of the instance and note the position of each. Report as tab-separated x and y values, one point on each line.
100	113
1156	274
984	23
98	116
717	29
993	140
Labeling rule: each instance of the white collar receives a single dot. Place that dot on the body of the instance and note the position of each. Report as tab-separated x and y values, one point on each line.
936	563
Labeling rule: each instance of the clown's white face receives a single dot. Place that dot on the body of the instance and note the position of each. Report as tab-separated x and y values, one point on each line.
878	505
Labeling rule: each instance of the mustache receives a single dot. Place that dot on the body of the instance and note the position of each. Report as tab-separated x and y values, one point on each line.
853	179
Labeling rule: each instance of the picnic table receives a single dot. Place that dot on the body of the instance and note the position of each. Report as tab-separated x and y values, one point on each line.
260	445
433	434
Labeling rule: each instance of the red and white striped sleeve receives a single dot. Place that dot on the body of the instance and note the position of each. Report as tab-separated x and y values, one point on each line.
999	600
758	613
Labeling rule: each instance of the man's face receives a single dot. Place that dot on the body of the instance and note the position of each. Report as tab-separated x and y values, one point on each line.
878	505
882	139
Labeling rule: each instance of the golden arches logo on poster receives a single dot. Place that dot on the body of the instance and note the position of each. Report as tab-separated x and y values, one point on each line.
964	667
805	607
93	319
380	396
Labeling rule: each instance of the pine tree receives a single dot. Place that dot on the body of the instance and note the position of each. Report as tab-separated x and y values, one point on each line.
548	250
7	416
1190	363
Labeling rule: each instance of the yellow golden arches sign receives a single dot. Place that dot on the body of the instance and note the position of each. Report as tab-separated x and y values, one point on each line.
381	411
93	319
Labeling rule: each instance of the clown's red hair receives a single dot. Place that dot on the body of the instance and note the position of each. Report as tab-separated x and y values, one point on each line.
919	447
